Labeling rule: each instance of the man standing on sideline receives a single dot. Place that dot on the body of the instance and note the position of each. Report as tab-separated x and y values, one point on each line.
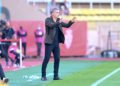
54	35
21	33
39	39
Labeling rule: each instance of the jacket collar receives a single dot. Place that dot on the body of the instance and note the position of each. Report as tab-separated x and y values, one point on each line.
52	19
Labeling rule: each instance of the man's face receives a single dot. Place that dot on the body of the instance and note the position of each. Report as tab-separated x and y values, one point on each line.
56	13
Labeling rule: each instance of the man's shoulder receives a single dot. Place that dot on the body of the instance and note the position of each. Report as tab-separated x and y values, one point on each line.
48	18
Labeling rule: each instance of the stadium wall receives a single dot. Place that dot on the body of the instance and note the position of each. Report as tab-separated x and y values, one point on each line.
75	37
23	14
20	10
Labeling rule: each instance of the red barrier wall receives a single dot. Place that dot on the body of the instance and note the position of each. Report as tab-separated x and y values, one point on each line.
76	37
76	44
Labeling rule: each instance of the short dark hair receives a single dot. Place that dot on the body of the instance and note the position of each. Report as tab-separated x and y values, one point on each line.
21	27
52	10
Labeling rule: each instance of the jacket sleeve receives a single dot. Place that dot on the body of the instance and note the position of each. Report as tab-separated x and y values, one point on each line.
50	23
67	25
10	33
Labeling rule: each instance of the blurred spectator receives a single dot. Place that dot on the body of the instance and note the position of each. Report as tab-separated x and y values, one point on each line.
39	39
2	74
2	25
14	54
51	5
21	33
64	8
7	34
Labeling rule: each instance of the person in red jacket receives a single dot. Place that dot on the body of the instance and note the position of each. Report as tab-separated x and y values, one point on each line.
39	39
21	33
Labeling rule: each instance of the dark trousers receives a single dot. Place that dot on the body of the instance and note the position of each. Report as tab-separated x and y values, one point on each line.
39	45
5	52
24	47
56	53
2	75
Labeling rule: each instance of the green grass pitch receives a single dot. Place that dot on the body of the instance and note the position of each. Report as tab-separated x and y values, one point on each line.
72	72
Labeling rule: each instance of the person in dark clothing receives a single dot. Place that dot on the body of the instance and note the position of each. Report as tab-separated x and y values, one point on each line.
54	35
8	33
21	33
2	74
2	26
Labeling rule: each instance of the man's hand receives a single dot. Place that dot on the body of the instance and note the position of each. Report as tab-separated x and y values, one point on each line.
73	19
60	19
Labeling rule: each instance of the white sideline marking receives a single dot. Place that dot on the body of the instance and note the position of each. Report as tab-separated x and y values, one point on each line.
104	78
49	74
35	77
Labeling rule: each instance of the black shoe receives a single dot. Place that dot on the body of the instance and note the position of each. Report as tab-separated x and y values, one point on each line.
57	78
44	79
5	80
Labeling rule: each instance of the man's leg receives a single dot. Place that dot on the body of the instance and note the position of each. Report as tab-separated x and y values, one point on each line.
24	47
17	59
2	75
39	49
7	57
5	54
56	53
48	49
